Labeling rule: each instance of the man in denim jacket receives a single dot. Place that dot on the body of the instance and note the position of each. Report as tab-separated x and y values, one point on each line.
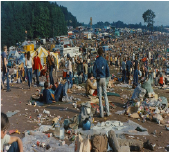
101	73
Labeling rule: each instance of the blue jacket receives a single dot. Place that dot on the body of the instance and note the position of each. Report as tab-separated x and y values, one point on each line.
47	98
128	65
123	65
101	68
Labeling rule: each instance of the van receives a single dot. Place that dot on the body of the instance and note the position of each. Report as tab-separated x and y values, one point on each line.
43	41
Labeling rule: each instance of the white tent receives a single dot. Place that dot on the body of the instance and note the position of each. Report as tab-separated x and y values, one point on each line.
14	53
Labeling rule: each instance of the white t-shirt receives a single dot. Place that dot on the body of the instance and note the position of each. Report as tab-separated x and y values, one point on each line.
5	141
69	66
73	60
29	63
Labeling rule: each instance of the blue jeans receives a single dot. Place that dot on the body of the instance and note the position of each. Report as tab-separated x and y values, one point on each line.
37	76
89	70
3	78
69	80
50	75
84	77
124	76
61	91
25	74
65	87
128	75
14	147
29	75
101	85
135	77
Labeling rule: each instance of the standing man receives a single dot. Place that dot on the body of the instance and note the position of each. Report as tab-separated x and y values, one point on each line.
111	60
123	65
55	61
135	71
78	63
69	73
37	66
128	67
5	70
101	72
49	61
85	70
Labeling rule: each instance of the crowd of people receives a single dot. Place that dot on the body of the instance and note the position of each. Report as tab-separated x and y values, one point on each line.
135	64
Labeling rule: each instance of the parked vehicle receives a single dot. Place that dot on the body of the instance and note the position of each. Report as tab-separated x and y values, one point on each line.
43	41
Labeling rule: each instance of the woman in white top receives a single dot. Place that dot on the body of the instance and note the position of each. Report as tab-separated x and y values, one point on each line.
69	73
29	64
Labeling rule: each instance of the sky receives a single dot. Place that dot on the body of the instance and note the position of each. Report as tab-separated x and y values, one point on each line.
125	11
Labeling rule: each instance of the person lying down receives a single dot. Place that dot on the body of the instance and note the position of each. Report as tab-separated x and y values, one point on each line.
54	93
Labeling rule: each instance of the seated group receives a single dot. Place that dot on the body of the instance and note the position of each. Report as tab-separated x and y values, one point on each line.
57	91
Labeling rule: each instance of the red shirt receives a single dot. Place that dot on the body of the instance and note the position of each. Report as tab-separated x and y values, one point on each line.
37	63
161	80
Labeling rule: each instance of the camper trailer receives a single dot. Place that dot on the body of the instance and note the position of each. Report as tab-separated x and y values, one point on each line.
72	51
43	41
58	47
33	42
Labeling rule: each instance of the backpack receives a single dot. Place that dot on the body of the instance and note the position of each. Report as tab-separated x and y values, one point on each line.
85	112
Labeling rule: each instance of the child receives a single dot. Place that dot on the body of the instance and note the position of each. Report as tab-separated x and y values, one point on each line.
16	143
47	97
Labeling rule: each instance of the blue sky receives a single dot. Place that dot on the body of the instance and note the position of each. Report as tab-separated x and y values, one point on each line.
126	11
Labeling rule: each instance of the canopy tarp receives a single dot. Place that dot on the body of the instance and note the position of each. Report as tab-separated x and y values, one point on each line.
14	53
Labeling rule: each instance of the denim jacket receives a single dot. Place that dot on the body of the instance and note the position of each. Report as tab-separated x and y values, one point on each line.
128	65
47	98
101	68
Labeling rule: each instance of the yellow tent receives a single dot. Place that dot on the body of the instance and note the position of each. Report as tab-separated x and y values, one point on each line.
43	53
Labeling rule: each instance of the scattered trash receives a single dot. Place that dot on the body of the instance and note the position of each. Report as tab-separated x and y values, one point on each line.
167	128
149	145
36	110
124	96
13	131
120	112
10	113
46	112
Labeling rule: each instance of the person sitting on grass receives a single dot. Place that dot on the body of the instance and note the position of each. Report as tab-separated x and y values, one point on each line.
15	142
89	84
47	97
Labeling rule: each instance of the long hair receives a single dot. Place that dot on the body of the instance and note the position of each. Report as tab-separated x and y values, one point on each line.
28	55
4	121
100	51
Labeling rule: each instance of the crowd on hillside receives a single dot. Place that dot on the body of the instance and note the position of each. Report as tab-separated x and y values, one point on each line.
134	58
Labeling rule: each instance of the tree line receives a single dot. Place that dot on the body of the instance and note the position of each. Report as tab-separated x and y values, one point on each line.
33	19
148	17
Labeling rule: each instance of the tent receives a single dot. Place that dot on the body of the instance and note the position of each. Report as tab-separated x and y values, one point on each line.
14	53
43	53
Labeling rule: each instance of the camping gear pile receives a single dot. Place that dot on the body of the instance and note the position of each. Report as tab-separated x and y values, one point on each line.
146	105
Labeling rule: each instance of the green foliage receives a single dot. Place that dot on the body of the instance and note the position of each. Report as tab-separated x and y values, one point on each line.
148	17
69	18
39	18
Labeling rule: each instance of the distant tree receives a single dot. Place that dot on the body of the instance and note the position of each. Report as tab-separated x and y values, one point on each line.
107	23
148	17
